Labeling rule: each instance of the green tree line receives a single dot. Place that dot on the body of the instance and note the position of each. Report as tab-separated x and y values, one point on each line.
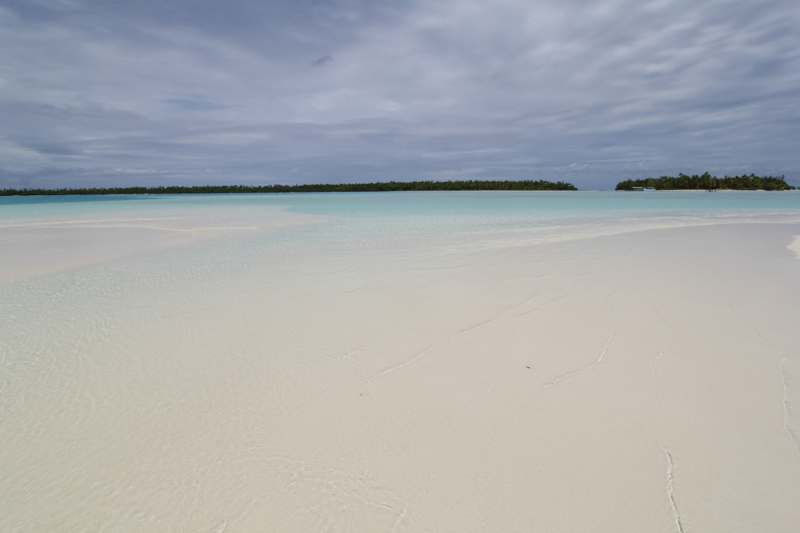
472	185
707	181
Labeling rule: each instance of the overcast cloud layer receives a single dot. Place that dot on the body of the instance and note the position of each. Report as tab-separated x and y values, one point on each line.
116	93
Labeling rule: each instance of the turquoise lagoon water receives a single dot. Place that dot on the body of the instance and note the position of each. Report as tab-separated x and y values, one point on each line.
419	213
516	205
338	227
364	231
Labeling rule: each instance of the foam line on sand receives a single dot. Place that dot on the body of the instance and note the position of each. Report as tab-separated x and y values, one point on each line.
671	491
427	350
599	358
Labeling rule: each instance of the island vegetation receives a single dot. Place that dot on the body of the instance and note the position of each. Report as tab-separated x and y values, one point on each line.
709	182
472	185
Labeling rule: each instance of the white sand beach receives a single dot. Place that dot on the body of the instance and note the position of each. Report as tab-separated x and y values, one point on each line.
637	381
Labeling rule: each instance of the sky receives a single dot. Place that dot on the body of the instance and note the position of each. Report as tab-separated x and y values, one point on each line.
191	92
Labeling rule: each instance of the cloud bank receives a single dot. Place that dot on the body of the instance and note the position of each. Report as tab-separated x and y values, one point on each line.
202	92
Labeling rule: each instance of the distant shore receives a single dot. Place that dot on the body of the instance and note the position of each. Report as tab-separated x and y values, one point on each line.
472	185
707	182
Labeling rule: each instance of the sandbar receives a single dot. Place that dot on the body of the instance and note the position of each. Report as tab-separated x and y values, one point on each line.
640	381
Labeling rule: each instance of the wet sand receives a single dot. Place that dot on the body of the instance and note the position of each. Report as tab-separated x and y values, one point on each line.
39	246
643	381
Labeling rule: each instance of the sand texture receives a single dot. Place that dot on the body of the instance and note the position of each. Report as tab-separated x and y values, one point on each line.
641	381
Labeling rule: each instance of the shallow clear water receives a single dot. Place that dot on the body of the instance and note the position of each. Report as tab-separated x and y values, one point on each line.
318	362
412	220
495	204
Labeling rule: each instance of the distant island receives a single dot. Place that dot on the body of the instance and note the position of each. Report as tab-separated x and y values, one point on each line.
706	181
472	185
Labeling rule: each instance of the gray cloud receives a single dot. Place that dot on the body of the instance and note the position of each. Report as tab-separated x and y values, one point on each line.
193	104
324	60
115	93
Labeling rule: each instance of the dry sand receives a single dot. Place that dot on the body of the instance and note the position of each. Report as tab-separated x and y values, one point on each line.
645	381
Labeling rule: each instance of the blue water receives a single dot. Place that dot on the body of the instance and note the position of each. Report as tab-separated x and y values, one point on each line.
502	208
407	222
